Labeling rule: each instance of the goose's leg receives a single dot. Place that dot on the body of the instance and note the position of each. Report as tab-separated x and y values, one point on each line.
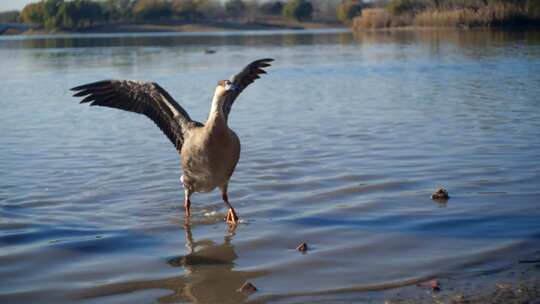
232	218
187	202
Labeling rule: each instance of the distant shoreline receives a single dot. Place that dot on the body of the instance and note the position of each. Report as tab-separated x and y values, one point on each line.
414	28
173	27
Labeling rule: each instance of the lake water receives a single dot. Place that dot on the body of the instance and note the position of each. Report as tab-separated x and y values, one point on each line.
342	144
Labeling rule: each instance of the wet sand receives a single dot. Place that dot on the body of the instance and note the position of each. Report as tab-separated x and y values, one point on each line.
208	265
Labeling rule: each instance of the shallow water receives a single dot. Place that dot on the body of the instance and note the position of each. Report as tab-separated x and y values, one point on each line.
342	143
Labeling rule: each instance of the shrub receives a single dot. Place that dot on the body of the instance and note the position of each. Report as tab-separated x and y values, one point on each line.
346	11
300	10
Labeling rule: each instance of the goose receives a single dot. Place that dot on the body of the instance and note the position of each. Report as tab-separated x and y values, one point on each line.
209	152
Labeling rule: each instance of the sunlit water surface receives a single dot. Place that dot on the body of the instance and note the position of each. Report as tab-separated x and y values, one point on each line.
342	144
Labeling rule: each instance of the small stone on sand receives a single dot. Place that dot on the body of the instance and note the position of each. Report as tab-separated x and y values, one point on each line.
433	284
302	247
440	194
247	287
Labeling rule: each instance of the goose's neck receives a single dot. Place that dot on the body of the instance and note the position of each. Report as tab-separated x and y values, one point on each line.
216	115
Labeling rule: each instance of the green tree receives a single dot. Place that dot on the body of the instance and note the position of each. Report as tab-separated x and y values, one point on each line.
68	14
347	10
79	14
51	9
271	8
300	10
235	8
33	13
116	10
90	13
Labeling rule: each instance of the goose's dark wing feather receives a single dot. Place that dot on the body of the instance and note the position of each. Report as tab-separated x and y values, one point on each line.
243	79
140	97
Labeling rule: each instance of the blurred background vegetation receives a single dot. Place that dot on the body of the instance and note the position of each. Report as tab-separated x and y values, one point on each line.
82	14
450	13
366	14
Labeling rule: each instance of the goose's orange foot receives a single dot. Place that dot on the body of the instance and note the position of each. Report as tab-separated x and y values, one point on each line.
232	218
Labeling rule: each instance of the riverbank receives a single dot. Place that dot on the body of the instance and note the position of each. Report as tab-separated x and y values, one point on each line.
178	27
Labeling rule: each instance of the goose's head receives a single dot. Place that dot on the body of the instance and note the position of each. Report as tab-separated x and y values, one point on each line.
225	87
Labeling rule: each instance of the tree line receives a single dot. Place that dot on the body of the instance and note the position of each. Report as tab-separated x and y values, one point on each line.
81	14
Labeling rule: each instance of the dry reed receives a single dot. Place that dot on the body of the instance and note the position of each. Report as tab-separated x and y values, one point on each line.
491	15
495	14
374	18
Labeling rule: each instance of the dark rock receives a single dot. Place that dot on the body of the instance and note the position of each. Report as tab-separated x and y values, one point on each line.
247	287
440	194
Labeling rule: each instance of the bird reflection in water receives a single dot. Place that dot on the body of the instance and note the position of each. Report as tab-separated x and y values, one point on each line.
209	275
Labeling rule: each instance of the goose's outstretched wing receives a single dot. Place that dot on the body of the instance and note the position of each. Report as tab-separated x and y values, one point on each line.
139	97
243	79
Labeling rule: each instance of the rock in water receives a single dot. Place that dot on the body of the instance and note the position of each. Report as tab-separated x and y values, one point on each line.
440	194
302	247
432	284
